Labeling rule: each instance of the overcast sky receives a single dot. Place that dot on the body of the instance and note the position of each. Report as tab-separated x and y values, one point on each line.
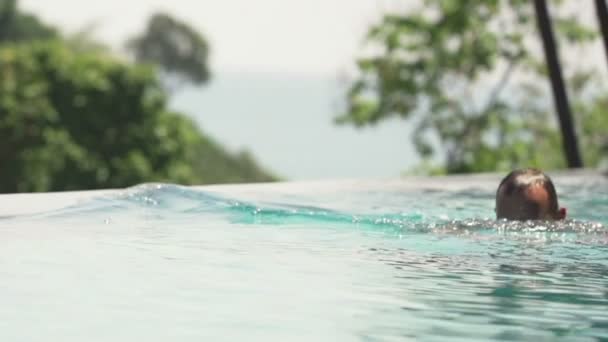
309	39
295	36
282	60
299	36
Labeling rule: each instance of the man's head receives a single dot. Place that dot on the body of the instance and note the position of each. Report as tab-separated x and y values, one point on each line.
527	194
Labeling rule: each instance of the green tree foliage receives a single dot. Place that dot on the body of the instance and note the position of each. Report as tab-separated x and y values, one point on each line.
83	41
18	26
179	50
74	117
591	107
467	73
82	121
215	165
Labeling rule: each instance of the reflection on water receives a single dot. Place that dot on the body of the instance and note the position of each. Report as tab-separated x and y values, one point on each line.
516	291
162	262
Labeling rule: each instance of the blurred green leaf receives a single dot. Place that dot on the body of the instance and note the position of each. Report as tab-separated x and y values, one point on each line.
473	73
178	49
76	120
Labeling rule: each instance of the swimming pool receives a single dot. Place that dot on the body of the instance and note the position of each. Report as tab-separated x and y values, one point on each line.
418	258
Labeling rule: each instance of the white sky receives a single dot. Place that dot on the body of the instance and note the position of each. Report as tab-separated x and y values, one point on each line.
306	38
295	36
321	37
292	49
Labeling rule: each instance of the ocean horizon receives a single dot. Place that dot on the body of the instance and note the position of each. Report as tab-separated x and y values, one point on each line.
287	122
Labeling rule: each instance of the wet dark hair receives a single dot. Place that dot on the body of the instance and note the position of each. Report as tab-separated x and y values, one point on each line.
519	180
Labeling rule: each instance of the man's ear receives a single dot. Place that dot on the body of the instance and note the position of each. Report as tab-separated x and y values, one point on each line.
561	214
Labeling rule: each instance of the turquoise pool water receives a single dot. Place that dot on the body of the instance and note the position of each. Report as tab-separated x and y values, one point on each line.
170	263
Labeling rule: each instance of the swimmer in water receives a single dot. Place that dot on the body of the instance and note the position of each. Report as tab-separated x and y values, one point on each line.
527	194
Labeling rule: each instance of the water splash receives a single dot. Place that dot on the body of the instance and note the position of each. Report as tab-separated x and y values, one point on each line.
165	202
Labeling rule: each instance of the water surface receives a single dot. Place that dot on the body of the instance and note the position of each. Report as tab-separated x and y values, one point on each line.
163	262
